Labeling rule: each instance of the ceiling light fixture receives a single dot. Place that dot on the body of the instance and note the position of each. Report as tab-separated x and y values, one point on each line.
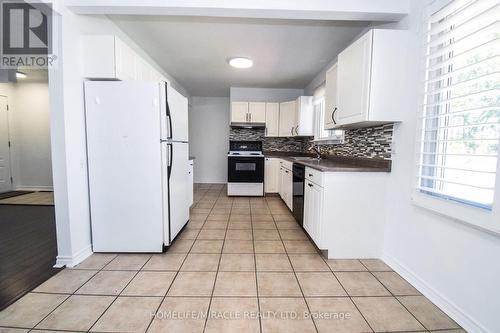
20	75
240	62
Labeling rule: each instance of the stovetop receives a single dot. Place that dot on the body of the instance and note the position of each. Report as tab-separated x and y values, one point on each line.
246	153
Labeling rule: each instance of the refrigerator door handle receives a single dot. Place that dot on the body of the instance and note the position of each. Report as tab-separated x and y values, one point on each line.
170	158
169	115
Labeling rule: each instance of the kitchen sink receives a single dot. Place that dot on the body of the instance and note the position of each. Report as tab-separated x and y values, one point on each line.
306	158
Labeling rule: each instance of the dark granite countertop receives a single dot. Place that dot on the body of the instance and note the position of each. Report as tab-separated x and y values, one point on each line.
336	163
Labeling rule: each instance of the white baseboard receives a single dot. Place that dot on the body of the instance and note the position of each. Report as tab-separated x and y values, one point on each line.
34	188
451	309
72	261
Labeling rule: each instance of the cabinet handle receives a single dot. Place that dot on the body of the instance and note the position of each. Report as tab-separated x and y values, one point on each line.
310	175
333	116
291	131
286	171
310	185
250	116
265	131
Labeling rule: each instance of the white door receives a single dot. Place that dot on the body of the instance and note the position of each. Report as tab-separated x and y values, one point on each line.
272	119
124	166
239	112
5	180
287	119
354	67
330	97
257	111
178	183
178	110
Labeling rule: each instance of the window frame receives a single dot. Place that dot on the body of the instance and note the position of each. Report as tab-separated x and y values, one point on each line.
475	216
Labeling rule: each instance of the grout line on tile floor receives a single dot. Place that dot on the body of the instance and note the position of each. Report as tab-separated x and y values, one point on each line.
394	296
295	275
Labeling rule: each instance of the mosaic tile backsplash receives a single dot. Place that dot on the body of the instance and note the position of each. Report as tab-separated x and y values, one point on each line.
370	142
269	143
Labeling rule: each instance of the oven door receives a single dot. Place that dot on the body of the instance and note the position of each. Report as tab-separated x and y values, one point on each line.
245	169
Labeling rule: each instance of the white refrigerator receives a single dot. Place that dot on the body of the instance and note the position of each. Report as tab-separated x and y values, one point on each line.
137	152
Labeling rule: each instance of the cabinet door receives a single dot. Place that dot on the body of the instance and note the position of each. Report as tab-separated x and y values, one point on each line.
354	66
271	175
289	189
239	112
272	119
282	183
331	97
304	116
308	209
316	215
125	61
257	112
287	118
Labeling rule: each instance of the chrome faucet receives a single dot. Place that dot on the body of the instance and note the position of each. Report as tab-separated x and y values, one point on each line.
316	149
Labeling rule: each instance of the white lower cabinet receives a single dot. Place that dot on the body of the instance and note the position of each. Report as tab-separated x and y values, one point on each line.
313	203
191	181
286	183
344	212
271	175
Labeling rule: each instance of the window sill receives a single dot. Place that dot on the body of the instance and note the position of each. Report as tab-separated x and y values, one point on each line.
482	219
329	140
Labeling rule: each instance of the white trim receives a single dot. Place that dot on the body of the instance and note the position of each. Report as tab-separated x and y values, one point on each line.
34	188
442	302
72	261
479	218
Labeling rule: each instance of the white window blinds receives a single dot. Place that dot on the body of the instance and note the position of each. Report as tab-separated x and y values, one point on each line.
459	129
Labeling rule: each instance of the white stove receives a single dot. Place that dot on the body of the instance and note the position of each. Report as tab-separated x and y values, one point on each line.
246	153
245	169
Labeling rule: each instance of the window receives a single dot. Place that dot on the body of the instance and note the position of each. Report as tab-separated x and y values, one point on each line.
459	129
319	118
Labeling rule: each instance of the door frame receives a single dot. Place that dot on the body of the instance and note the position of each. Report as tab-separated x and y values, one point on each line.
9	139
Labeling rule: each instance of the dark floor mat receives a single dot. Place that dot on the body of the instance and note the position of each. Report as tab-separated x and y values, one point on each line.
11	194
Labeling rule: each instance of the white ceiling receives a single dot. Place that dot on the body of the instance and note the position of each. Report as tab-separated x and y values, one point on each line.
194	50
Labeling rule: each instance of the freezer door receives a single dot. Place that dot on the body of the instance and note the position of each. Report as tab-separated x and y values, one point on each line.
124	166
177	110
178	187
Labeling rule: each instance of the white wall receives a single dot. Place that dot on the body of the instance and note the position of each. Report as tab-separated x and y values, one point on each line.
32	164
457	266
264	94
29	127
209	138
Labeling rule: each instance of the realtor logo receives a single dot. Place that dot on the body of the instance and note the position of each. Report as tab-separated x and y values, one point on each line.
26	34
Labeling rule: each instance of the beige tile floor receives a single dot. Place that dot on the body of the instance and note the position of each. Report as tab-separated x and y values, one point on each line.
246	263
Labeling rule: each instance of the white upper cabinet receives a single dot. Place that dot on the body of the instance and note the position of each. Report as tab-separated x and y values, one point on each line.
272	119
287	119
304	116
371	74
331	99
248	112
239	112
108	57
257	112
287	122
